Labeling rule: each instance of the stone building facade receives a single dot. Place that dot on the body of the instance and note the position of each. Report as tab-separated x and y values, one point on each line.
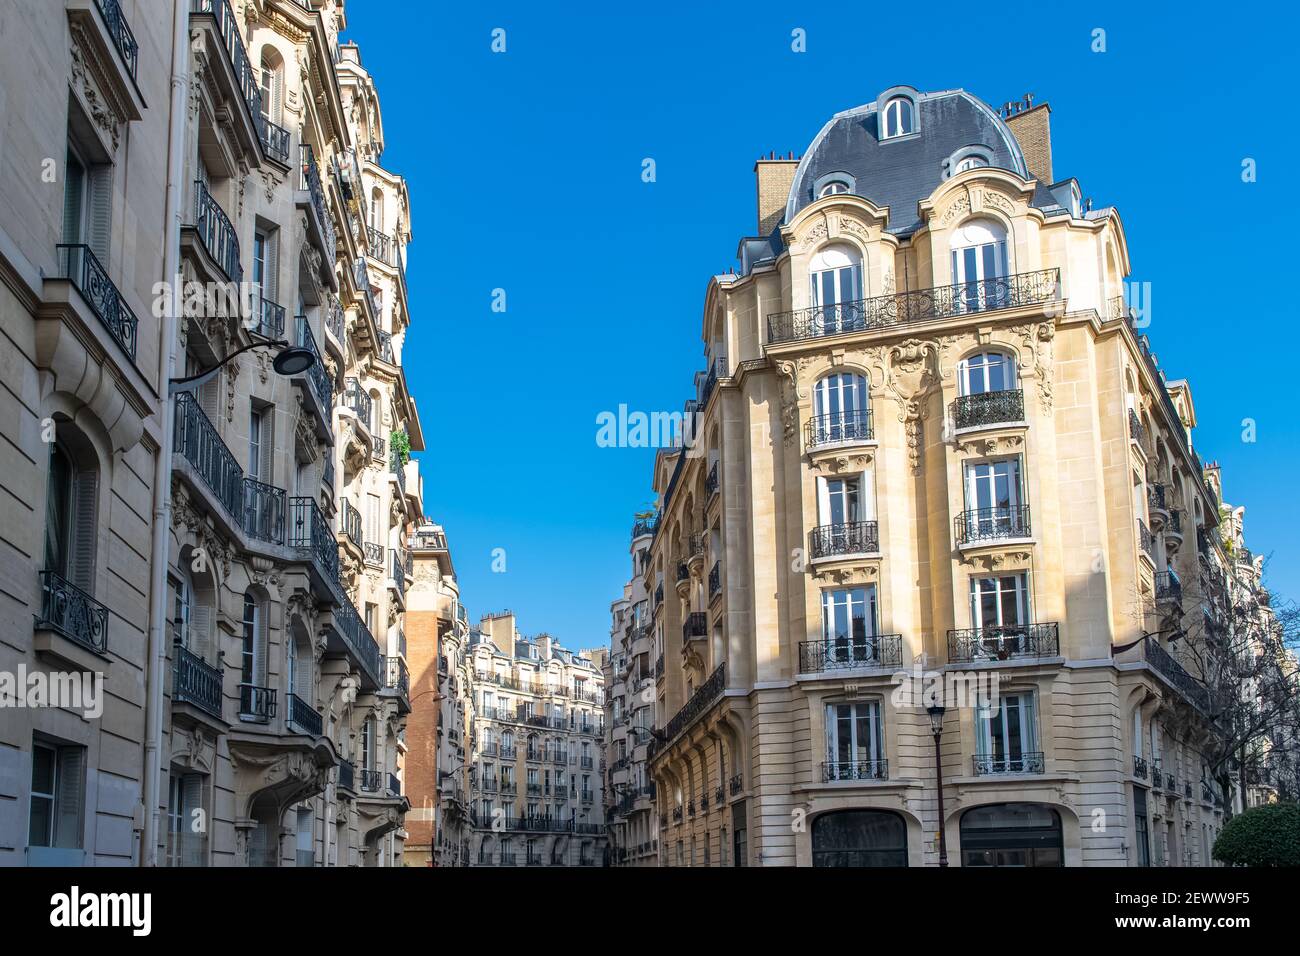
930	443
267	714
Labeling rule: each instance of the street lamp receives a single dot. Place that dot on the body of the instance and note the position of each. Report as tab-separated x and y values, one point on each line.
289	360
936	711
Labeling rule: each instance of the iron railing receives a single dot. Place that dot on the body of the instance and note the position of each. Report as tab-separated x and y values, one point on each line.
990	524
79	265
358	399
195	681
884	311
644	526
398	573
1146	540
1139	768
715	579
245	76
371	781
1176	675
270	318
711	481
855	770
72	612
334	319
309	533
347	775
1004	642
318	378
257	704
303	716
988	408
427	541
1029	761
1156	498
309	179
839	428
373	552
847	653
1136	430
398	469
382	247
275	140
122	36
705	696
196	440
350	522
833	540
717	370
348	622
264	511
216	232
736	784
1168	587
695	625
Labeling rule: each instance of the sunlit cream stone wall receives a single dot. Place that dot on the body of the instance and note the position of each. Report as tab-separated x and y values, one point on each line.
930	435
284	685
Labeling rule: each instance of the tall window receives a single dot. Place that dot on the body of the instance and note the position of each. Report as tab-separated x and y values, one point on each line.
993	498
368	744
999	609
87	206
836	274
70	518
272	86
185	838
899	117
1006	737
979	265
248	659
841	408
854	743
843	500
57	801
849	618
986	372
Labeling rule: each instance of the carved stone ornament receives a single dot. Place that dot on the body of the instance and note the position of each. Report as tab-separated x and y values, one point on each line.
842	463
988	446
999	560
861	574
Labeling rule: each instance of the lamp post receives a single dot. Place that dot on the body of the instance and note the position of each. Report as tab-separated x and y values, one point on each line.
936	711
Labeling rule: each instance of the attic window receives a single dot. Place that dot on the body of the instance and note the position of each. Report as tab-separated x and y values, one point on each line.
899	117
833	188
973	161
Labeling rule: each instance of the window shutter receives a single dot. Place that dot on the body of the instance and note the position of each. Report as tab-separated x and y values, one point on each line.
271	277
302	675
200	631
81	563
99	228
261	645
267	446
192	844
210	398
72	785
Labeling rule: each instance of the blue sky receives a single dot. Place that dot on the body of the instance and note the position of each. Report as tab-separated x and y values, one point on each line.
525	175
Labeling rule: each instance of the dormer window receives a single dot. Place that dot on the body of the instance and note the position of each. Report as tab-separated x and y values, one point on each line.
833	188
900	117
973	161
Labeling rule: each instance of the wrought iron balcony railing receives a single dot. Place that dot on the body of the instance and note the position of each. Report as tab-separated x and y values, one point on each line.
1139	768
245	76
695	625
1136	430
715	579
1025	762
270	318
397	573
1004	642
385	347
848	653
358	399
195	681
217	233
197	441
310	534
839	428
356	635
275	140
988	408
263	511
885	311
398	469
736	784
371	781
78	264
123	38
1168	587
991	524
309	180
855	770
1156	498
317	377
373	552
303	716
717	370
838	540
644	526
1176	675
350	522
257	704
72	612
705	696
382	247
711	481
347	775
1146	540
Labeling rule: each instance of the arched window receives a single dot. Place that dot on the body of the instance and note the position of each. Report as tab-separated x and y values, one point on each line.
1011	834
859	838
970	161
272	85
841	409
835	274
979	266
833	188
899	117
986	372
377	209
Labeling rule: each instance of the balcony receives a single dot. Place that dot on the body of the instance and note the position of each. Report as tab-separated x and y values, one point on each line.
1146	541
988	408
320	226
993	764
982	525
855	770
257	704
350	523
317	378
645	526
372	552
715	579
310	535
695	626
1003	643
384	347
718	369
705	696
839	428
303	717
242	81
1136	430
736	785
275	141
71	612
1169	590
217	234
347	775
1139	768
711	481
263	511
397	576
888	311
1175	675
851	653
382	247
77	264
195	681
844	540
269	318
360	643
197	441
372	781
359	400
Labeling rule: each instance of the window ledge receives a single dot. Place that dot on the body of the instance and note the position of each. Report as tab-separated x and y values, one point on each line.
995	543
50	644
852	556
989	427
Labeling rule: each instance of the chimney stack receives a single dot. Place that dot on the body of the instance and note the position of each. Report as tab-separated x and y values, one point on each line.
774	176
1031	126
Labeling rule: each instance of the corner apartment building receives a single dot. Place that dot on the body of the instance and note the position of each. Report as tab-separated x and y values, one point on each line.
536	735
930	438
630	669
263	725
438	730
